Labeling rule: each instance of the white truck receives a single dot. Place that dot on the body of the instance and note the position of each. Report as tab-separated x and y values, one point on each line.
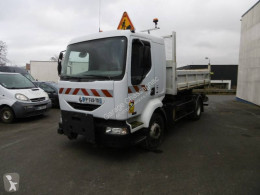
127	93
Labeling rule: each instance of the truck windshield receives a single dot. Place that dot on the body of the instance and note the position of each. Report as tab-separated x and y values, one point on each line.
96	59
15	81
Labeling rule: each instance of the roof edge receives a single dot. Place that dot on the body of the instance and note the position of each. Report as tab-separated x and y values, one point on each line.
250	8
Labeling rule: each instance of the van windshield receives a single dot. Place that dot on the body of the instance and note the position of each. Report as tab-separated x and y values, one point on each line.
15	81
96	59
28	76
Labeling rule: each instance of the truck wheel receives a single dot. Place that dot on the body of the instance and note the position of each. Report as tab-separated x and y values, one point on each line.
197	111
72	136
7	115
155	132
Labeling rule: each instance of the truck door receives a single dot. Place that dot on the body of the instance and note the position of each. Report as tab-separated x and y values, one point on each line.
141	78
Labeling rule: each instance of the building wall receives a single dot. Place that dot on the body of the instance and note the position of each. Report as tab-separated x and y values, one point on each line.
44	70
248	87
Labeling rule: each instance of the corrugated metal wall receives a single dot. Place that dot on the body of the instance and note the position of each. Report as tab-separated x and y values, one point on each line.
248	87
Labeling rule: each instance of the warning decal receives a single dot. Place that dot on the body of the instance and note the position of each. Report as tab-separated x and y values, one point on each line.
131	106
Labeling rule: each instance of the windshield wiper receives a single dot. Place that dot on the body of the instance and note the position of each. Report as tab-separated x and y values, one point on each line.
85	76
70	77
20	87
99	76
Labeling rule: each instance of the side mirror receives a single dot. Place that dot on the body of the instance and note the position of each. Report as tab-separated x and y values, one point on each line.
59	62
83	54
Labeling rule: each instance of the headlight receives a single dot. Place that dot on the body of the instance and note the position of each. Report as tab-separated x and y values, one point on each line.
116	131
21	97
47	96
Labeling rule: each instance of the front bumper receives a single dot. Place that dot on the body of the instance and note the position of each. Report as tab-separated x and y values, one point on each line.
94	129
23	110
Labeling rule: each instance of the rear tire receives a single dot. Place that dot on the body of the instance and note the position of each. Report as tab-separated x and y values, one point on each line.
155	132
7	115
197	111
72	136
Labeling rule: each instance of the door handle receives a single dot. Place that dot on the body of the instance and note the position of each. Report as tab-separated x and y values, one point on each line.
152	91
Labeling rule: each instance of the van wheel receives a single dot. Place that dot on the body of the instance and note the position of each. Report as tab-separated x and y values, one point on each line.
197	111
155	132
7	115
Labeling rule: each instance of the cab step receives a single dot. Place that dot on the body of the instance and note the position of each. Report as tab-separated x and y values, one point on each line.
136	125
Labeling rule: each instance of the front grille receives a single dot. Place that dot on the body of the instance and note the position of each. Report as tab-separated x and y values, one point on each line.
86	107
38	99
37	106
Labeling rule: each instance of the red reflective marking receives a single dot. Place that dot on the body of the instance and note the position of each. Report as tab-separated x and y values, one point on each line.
136	88
84	91
144	87
129	90
95	92
61	90
67	91
107	94
76	91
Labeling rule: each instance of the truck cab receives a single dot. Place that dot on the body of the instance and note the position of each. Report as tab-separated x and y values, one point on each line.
112	86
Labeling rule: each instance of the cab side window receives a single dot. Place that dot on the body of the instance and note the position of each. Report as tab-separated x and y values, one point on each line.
140	60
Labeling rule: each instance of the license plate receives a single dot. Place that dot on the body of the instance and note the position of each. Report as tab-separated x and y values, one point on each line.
90	100
40	107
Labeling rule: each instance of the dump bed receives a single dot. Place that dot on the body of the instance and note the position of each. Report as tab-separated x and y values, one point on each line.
187	79
179	80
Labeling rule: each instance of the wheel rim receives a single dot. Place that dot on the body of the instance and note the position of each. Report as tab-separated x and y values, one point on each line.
198	110
155	131
7	115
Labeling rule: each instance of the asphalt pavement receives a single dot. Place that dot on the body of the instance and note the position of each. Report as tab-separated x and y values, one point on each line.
219	154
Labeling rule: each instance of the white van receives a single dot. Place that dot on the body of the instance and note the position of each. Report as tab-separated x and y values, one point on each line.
20	98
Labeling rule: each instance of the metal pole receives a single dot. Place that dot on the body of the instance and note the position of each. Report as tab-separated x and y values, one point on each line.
99	16
174	47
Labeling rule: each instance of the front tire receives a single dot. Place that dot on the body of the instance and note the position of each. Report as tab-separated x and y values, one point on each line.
155	132
7	115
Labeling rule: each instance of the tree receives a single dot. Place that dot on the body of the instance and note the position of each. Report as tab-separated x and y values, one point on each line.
3	53
54	58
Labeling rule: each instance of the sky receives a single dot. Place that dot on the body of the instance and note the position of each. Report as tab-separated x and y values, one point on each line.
38	30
